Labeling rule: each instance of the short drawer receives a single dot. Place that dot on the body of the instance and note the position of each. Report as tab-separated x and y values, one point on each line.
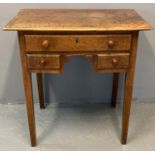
71	43
43	61
112	62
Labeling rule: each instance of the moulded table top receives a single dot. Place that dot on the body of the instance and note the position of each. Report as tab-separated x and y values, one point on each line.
77	20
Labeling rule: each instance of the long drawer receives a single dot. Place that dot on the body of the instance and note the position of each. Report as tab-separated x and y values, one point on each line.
68	43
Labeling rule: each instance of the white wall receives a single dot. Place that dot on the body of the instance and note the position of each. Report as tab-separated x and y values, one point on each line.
77	84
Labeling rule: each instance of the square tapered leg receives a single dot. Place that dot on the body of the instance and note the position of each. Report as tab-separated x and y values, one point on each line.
128	88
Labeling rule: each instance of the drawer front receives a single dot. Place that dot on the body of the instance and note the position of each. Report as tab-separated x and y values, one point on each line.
71	43
43	62
112	61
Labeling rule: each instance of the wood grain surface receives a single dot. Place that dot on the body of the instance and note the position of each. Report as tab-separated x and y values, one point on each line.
77	20
70	43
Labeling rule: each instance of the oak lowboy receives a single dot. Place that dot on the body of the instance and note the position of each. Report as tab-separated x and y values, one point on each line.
108	38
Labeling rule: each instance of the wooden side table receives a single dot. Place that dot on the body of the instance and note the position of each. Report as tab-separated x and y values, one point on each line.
108	38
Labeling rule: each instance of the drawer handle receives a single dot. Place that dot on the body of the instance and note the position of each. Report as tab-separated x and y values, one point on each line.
43	62
45	44
114	61
111	44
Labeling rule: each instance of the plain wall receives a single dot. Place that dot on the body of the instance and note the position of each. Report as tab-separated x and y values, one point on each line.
78	84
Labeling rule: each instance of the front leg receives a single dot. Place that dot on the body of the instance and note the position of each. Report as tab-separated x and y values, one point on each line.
129	78
27	80
30	107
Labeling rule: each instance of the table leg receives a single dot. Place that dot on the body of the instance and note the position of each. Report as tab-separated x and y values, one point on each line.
128	88
126	107
27	80
114	89
30	107
40	90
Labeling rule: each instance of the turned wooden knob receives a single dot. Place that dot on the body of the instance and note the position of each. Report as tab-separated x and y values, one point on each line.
45	44
43	62
110	44
114	61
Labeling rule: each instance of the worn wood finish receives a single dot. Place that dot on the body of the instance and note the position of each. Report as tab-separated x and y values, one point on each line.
43	61
112	61
46	63
40	90
28	91
70	43
129	78
77	20
114	89
108	38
